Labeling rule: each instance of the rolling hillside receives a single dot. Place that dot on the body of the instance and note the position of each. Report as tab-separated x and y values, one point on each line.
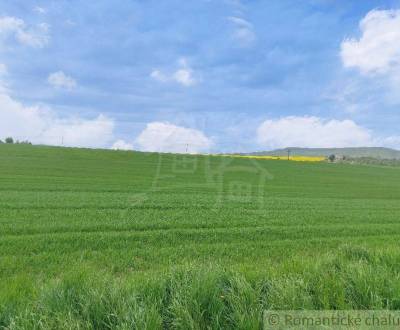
373	152
100	239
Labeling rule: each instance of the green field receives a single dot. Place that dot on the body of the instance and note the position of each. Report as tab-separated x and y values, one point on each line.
97	239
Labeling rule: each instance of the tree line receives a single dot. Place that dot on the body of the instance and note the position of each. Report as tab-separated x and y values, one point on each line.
10	140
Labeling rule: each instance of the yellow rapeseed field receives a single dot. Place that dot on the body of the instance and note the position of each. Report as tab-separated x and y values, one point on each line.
293	158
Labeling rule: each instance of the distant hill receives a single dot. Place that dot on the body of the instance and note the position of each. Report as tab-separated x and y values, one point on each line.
373	152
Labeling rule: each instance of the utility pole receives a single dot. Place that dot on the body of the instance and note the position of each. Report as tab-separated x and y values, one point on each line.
288	154
187	147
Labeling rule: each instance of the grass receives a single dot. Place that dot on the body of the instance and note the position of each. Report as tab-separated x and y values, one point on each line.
371	161
95	239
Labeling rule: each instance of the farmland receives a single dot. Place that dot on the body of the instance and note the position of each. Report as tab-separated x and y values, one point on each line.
293	158
113	239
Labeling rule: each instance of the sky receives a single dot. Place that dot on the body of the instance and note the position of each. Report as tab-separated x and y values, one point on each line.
200	76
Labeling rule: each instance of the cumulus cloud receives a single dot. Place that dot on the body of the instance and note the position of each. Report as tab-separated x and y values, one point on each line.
390	142
3	69
3	73
122	145
166	137
60	80
184	75
378	48
40	10
34	36
158	75
42	125
244	31
312	132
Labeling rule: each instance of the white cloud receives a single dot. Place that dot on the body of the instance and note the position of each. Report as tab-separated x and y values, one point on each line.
166	137
122	145
60	80
42	125
3	73
312	132
40	10
3	69
76	131
244	31
390	142
10	24
34	36
70	22
158	75
378	49
184	75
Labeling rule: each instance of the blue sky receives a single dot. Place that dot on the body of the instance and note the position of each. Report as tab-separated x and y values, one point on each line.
216	75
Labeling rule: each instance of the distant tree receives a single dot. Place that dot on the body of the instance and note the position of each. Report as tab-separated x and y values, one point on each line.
1	142
9	140
332	158
22	142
